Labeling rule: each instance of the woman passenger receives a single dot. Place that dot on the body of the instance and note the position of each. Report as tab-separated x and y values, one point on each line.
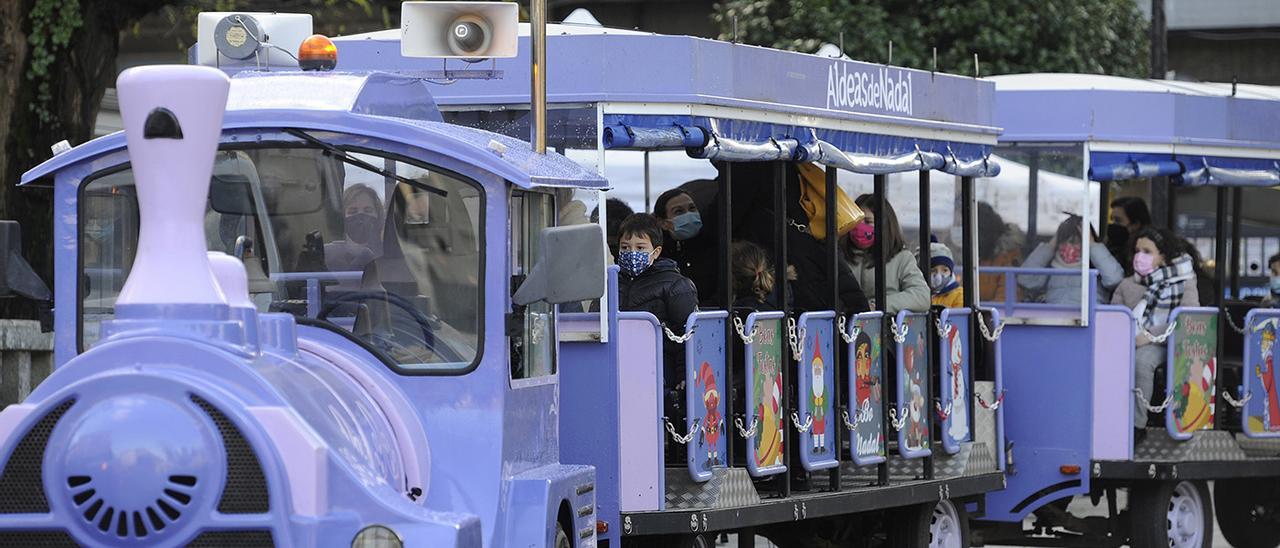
1065	251
1164	278
753	282
905	286
693	248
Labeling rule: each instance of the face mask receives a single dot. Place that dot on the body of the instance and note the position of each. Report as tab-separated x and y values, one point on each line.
687	225
100	231
1069	253
863	236
361	227
1144	263
1275	285
633	262
940	281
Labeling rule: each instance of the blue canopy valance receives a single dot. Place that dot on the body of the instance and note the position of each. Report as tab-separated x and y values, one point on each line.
1193	170
750	141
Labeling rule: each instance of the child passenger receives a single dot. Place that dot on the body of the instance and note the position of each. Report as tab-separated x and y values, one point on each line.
1065	251
905	287
947	292
1273	287
1163	279
652	283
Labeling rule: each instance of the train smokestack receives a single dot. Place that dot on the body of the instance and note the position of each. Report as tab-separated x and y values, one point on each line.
172	118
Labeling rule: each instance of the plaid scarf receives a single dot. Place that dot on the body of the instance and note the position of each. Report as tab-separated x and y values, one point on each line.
1165	287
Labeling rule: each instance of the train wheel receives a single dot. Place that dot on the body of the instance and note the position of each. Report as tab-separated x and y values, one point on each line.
1171	514
943	524
1248	512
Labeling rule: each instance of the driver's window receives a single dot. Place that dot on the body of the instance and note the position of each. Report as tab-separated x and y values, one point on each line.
533	326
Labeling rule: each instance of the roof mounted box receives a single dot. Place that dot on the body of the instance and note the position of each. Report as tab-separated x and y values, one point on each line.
285	31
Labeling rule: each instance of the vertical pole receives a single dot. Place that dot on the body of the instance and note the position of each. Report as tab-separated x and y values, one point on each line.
648	206
1171	205
725	202
1159	41
780	278
1104	208
1237	199
833	274
969	251
1033	203
1161	202
886	338
538	72
931	335
1220	273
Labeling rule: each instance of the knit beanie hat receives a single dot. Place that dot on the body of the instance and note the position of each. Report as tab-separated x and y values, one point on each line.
940	254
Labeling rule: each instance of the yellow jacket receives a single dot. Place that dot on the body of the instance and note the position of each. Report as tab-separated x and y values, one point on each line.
950	299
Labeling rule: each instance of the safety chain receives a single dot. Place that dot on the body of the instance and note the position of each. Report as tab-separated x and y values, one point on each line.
748	433
897	422
848	336
682	440
899	332
678	339
986	332
944	413
991	406
1232	322
1142	400
844	414
1159	339
793	338
808	421
741	330
942	331
1226	395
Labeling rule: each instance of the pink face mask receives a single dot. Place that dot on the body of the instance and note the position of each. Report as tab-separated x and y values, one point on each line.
1144	263
1069	253
863	235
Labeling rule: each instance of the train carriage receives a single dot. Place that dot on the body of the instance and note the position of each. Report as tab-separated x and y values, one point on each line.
1069	368
695	108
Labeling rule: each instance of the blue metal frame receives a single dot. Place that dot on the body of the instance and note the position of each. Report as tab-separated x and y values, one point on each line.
1170	414
704	377
869	417
751	415
958	408
817	349
915	340
1260	363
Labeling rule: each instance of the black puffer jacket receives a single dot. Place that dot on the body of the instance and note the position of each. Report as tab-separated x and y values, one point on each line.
660	290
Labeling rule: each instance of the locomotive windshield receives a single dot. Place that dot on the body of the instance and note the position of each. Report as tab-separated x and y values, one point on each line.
383	248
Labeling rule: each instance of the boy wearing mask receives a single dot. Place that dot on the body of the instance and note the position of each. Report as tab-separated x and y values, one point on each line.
947	292
652	283
1273	295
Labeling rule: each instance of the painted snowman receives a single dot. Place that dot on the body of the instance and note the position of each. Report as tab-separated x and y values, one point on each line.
959	416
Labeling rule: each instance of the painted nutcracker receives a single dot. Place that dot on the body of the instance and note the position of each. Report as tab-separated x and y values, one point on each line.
1266	372
818	399
711	421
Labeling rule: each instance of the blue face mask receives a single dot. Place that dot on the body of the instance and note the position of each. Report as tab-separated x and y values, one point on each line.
687	225
1275	285
633	262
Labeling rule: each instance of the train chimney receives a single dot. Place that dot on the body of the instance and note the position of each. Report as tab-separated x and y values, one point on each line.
172	118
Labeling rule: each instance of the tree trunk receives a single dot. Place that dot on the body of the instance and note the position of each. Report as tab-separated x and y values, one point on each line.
78	75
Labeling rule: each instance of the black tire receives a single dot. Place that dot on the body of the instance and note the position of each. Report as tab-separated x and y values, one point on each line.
1150	504
912	527
562	538
1247	511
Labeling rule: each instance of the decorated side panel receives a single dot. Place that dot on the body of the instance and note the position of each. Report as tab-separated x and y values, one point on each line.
955	379
704	380
1192	366
764	410
1261	417
818	448
866	389
913	407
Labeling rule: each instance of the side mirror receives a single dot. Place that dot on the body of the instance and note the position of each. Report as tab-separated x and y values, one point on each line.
16	276
570	267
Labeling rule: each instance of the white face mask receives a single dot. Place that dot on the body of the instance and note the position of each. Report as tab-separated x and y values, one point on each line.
939	281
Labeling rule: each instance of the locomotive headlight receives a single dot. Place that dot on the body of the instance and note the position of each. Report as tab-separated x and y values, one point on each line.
377	536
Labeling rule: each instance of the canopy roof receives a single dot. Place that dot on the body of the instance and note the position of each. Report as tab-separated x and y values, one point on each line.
1201	133
726	101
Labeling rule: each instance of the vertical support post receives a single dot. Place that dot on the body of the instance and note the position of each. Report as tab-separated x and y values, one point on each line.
1237	202
1104	208
780	278
931	335
1220	274
880	187
1171	205
1033	201
538	72
837	363
724	203
1161	202
969	250
648	205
